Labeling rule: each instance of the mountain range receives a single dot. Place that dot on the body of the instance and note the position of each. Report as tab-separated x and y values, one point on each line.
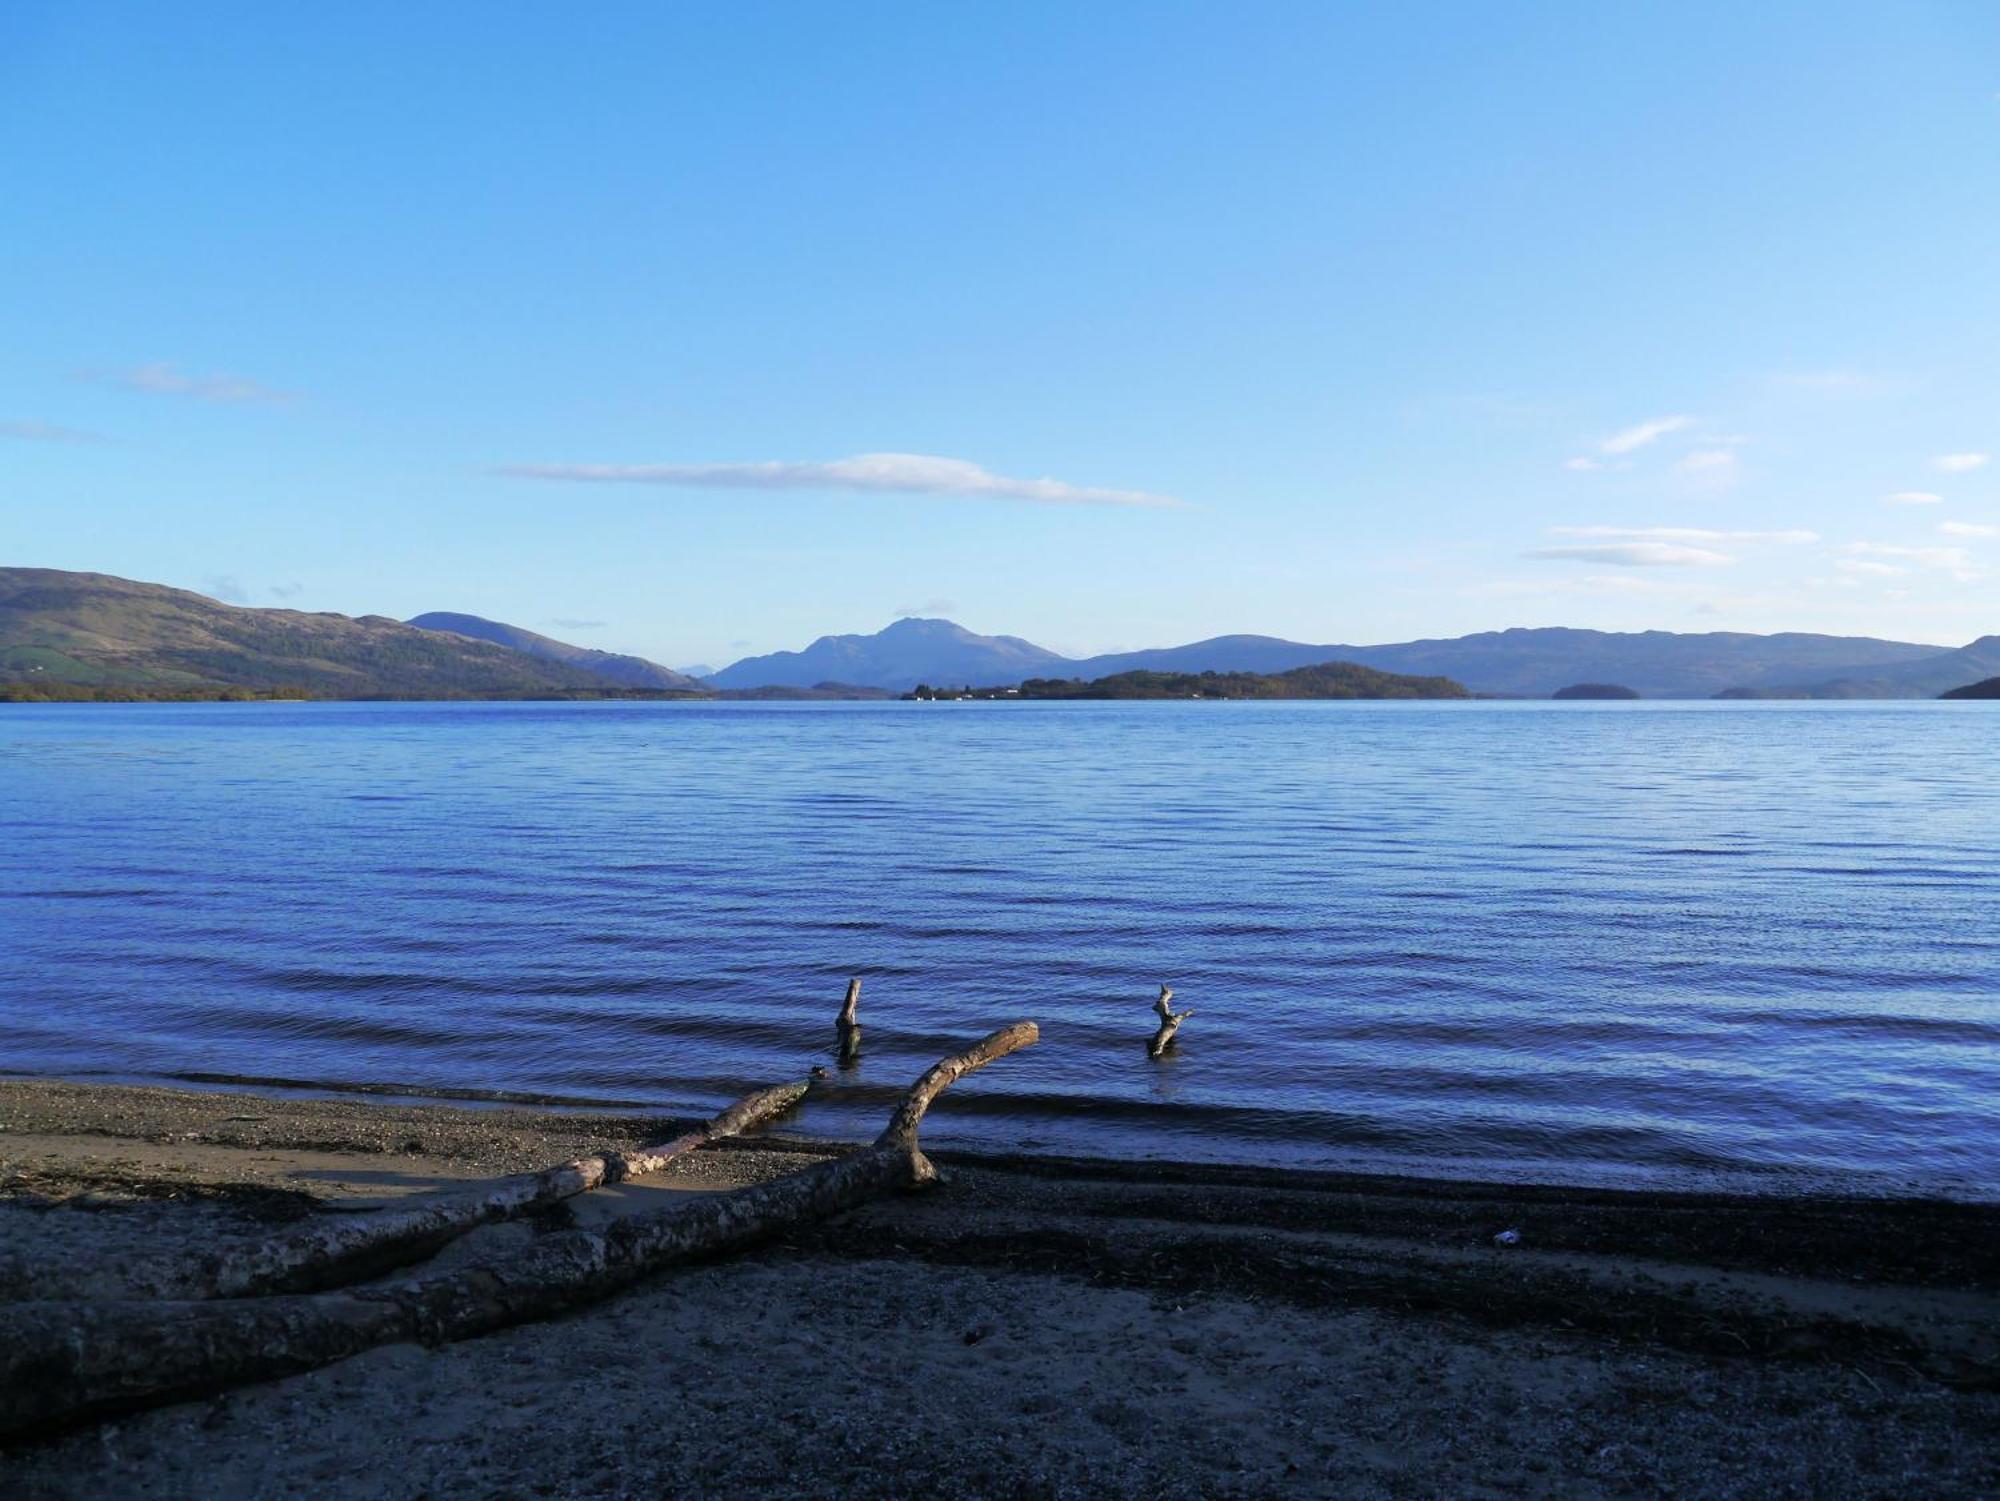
1514	663
93	633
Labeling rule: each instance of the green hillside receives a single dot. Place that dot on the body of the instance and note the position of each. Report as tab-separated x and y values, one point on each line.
75	635
634	672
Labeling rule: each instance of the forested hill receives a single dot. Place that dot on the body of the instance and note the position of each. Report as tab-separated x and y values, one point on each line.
1989	688
73	635
637	672
1323	680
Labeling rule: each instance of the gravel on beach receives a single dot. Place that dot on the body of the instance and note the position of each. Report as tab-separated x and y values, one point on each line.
1042	1329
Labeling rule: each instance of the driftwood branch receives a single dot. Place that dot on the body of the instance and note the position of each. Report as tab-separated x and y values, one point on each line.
1170	1022
901	1132
333	1253
847	1031
63	1361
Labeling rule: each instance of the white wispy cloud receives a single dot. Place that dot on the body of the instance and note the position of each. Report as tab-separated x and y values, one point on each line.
1710	460
1961	463
1955	561
1968	529
1913	498
1642	433
874	473
161	379
1862	565
1637	555
1679	534
47	432
1629	440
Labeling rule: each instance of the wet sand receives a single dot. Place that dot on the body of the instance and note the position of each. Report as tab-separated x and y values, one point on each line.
1043	1328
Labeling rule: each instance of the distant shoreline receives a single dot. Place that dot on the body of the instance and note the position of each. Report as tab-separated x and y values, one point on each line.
755	696
67	635
10	694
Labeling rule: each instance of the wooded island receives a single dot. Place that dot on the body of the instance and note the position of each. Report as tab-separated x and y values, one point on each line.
1326	680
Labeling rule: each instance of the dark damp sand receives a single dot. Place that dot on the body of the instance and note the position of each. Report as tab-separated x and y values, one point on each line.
1045	1328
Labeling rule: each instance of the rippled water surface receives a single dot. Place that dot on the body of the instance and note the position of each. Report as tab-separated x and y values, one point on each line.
1632	942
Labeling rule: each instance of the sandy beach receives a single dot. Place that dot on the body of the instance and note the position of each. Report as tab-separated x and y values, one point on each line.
1037	1327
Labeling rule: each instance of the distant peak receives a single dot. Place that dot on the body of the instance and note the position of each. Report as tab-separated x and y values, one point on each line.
923	625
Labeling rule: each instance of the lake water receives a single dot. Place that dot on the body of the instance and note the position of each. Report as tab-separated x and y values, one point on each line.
1731	943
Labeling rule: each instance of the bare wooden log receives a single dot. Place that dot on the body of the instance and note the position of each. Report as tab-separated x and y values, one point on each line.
65	1361
1170	1022
330	1253
901	1132
847	1031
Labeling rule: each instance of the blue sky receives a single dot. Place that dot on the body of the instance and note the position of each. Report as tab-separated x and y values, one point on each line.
695	331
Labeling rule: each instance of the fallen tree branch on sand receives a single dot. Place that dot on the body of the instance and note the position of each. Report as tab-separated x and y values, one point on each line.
63	1361
330	1253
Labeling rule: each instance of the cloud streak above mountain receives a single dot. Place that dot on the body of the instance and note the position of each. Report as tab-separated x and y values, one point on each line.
865	473
1637	555
161	379
47	432
1679	534
1643	433
1955	561
1961	463
1640	435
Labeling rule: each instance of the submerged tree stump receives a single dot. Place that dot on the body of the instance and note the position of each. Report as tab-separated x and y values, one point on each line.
847	1031
64	1361
1170	1023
